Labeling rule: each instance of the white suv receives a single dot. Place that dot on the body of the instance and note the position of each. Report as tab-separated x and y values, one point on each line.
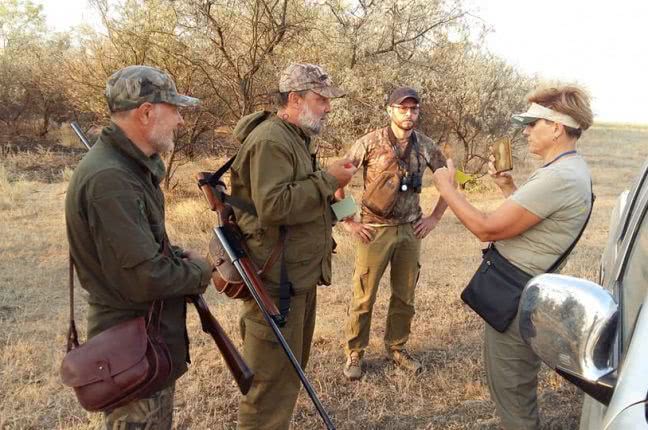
596	336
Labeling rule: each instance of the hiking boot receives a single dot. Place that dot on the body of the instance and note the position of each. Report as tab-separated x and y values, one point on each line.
353	368
403	359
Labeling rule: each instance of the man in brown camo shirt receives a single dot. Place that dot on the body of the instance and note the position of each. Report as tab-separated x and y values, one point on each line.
393	238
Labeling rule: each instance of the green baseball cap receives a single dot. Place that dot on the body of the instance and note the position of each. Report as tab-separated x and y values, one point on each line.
132	86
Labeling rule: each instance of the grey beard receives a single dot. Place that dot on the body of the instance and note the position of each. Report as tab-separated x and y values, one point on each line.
162	144
307	121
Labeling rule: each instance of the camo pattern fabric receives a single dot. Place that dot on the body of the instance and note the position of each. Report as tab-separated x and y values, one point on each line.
375	154
131	86
152	413
300	77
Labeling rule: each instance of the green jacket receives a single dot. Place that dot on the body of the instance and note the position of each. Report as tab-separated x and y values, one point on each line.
114	211
276	171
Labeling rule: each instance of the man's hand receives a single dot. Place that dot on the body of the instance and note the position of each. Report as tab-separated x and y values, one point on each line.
339	194
424	226
363	232
190	254
342	170
445	176
504	180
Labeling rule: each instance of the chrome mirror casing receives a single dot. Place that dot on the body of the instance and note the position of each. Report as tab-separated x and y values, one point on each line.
570	324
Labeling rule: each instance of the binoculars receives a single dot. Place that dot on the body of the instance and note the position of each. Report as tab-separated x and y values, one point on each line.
412	181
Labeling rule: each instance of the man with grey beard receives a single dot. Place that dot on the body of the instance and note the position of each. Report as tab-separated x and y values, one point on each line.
114	212
277	173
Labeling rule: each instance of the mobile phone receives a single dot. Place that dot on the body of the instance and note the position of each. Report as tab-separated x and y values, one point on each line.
503	155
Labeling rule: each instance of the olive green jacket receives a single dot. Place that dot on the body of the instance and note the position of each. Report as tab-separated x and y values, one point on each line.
276	172
114	212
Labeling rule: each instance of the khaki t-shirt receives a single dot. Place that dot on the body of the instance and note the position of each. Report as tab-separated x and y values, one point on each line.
560	194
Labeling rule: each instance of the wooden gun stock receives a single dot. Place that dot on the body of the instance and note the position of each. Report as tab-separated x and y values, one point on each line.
242	374
231	240
226	218
214	202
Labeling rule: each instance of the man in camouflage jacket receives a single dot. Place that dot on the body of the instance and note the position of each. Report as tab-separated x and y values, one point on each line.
276	171
390	239
114	212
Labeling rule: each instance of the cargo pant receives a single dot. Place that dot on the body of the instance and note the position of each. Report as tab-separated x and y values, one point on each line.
270	402
398	247
151	413
512	373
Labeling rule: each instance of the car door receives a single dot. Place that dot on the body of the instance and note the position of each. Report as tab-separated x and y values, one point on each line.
624	271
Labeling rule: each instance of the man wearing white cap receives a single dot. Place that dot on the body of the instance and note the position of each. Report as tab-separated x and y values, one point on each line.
529	232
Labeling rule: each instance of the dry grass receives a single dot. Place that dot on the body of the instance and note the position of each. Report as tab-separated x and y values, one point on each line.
451	394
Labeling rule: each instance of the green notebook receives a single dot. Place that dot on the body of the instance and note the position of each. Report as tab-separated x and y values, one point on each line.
345	208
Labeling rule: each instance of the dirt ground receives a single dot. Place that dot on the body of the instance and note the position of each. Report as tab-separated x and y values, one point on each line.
450	394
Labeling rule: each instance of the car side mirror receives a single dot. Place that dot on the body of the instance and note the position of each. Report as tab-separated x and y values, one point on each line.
570	323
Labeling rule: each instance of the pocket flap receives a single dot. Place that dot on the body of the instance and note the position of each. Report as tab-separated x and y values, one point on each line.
262	331
108	354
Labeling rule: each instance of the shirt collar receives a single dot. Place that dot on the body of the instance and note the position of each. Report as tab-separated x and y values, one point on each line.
153	164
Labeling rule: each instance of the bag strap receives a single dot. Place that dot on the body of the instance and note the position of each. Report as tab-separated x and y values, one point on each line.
401	159
565	254
277	251
214	180
285	286
72	335
562	258
153	318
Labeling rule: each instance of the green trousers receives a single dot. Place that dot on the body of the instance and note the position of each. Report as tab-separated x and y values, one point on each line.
398	247
512	372
152	413
270	402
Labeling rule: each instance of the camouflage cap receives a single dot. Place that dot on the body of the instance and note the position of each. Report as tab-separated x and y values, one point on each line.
132	86
300	77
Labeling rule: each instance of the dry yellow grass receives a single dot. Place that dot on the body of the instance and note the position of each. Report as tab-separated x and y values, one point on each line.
450	394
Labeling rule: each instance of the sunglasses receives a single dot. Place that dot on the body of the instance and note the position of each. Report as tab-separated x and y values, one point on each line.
404	109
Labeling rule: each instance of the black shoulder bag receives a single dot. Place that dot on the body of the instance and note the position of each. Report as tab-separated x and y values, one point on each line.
495	289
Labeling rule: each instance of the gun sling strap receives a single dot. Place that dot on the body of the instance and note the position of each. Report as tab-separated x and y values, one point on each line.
285	286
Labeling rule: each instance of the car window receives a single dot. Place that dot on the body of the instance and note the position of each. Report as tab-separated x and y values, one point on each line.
634	282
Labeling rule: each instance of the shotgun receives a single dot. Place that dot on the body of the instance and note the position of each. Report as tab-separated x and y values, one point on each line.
231	238
237	366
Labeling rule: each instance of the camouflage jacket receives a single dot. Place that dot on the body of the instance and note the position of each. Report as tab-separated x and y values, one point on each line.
276	172
114	211
375	153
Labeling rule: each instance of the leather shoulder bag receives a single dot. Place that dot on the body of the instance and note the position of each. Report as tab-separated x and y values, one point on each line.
496	287
126	362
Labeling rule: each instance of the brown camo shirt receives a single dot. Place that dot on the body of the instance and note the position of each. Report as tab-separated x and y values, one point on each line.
375	153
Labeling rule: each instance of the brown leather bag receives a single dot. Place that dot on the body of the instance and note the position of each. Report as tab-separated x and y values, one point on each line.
381	195
126	362
226	277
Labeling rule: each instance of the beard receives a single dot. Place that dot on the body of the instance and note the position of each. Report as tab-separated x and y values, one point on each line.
161	139
310	122
406	124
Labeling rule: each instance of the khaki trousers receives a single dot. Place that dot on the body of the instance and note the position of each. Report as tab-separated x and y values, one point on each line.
398	247
151	413
512	372
270	402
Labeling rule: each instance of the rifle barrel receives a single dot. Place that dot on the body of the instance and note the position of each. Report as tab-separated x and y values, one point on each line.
75	127
236	260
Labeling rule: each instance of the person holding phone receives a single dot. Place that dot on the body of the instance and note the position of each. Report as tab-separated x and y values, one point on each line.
531	230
